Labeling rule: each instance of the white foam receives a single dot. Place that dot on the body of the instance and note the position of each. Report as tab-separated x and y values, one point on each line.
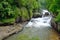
39	22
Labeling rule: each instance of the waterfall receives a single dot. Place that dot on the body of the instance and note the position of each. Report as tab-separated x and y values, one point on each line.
45	20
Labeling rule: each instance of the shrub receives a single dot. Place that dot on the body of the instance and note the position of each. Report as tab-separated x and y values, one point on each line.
14	8
24	13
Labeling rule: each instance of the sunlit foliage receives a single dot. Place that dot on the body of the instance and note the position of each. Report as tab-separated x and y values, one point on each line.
13	8
54	7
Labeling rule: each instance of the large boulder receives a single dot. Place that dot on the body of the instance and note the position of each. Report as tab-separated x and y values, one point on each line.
37	14
55	25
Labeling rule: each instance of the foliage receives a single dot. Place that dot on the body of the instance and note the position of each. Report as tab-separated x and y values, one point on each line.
54	7
24	13
29	3
24	8
14	8
57	19
9	21
30	13
6	11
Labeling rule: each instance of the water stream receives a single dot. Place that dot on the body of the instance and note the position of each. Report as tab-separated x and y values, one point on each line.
36	27
45	20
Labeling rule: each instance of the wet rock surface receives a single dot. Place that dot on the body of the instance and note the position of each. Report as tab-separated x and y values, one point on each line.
6	31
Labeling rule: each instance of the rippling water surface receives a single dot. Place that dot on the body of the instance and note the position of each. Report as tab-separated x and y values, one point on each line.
37	27
44	33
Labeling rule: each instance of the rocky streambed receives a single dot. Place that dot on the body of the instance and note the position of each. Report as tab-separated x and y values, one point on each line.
6	31
34	33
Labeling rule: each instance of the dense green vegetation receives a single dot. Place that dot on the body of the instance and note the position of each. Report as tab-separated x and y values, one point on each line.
54	7
11	9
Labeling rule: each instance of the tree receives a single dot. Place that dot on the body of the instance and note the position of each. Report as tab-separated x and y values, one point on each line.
13	8
54	7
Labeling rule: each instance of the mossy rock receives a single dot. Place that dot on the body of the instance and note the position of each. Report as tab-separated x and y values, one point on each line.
24	14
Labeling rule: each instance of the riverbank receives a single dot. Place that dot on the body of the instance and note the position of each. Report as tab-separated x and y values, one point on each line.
34	33
6	31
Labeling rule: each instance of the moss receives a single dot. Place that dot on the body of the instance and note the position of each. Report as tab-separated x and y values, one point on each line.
26	37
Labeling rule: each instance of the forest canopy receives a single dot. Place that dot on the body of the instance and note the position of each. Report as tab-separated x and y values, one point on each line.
11	9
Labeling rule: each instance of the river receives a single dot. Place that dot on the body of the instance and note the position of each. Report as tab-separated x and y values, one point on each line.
36	29
43	33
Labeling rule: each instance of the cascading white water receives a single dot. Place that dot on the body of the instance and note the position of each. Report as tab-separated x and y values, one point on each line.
44	21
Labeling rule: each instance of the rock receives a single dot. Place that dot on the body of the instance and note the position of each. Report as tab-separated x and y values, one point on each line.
53	24
36	15
59	27
6	31
18	19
